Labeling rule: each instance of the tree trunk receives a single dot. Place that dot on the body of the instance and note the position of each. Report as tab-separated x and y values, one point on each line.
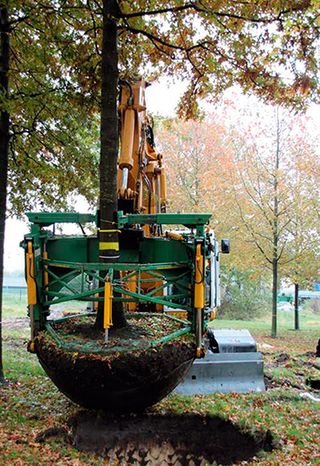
275	257
296	307
109	136
274	297
4	147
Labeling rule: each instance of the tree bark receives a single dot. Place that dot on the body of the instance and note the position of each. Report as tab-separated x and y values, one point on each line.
275	256
109	137
4	147
274	297
296	307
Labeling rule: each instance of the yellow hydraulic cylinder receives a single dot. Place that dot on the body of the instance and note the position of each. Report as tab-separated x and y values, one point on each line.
213	314
199	331
132	286
139	98
107	314
127	140
31	283
199	279
199	298
163	189
174	235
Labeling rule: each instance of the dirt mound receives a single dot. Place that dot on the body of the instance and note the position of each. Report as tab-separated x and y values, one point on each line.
153	439
282	358
126	380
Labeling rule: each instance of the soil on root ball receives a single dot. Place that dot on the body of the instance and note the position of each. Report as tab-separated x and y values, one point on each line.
124	379
139	331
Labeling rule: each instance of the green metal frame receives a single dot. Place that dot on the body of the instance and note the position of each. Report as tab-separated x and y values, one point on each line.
197	221
89	271
75	258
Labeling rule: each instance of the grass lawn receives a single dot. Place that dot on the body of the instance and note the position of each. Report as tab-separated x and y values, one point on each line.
30	405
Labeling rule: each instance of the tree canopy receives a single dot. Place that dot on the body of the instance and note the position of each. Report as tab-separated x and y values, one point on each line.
254	168
266	47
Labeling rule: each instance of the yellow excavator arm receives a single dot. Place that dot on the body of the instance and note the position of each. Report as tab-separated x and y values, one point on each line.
141	176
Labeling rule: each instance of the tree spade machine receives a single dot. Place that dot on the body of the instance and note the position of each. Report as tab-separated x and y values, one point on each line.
166	277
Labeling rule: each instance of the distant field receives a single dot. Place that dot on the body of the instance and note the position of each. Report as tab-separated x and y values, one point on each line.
308	321
14	303
15	306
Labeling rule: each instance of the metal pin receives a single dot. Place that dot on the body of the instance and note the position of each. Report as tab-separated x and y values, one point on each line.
124	181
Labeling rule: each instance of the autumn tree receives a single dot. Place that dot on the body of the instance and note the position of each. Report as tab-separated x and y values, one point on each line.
4	144
303	262
303	253
194	152
257	173
53	122
200	164
267	196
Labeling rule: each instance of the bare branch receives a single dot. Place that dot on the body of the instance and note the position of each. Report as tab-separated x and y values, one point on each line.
158	11
200	8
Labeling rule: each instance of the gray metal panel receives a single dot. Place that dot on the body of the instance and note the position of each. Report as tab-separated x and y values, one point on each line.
224	373
234	341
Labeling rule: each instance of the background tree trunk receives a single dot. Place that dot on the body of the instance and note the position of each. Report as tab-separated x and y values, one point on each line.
4	147
274	297
109	137
296	307
275	258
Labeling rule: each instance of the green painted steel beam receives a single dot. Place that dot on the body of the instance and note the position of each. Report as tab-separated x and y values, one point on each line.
150	299
115	266
188	220
48	218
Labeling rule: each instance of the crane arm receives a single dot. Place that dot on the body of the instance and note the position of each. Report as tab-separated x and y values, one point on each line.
141	175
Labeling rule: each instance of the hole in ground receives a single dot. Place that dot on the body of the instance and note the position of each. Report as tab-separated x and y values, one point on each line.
155	439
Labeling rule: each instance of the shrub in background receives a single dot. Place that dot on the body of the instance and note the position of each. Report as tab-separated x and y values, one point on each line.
242	297
313	305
